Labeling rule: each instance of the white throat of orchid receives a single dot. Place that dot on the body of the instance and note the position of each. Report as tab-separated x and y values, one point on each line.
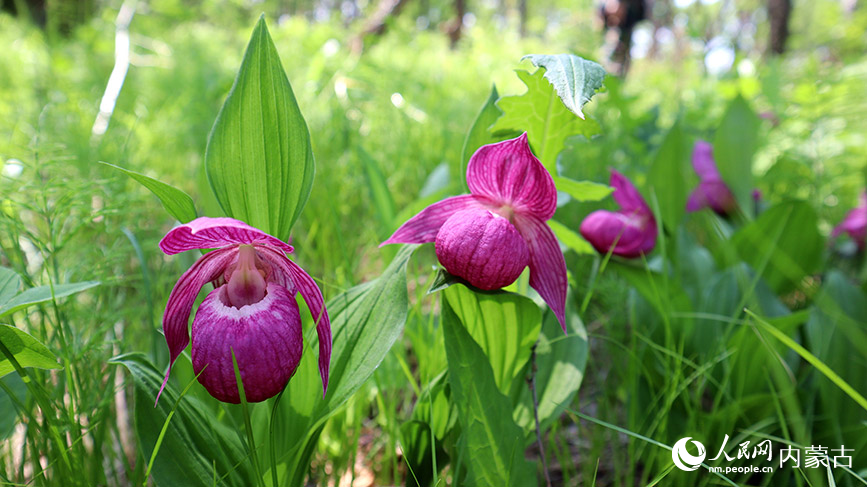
246	284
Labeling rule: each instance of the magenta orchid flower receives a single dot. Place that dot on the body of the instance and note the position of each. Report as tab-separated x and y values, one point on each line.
712	192
855	223
489	236
251	311
630	231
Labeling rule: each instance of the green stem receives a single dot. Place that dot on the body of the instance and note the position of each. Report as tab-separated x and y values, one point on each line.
251	444
271	442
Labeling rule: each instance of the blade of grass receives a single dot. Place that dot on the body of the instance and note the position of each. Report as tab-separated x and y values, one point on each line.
812	359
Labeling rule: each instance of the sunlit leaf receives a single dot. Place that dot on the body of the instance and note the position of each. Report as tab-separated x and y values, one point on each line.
175	201
195	444
546	120
582	191
560	362
259	160
504	325
26	350
42	294
491	442
575	79
571	239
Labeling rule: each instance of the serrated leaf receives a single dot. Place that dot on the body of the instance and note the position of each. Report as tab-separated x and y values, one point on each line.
175	201
582	191
575	79
195	445
479	134
734	145
505	326
570	239
491	442
548	122
27	351
671	175
42	294
259	160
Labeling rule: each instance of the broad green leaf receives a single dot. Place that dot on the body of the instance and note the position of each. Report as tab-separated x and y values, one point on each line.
259	160
546	120
671	176
571	239
479	134
175	201
575	79
582	191
195	444
492	444
42	294
733	148
26	350
783	244
9	405
383	203
365	322
10	283
505	326
560	362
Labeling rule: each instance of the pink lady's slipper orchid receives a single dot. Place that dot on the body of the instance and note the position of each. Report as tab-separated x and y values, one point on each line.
630	231
855	223
251	311
712	192
489	236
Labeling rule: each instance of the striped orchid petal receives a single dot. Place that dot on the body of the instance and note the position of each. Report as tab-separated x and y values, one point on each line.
211	233
294	278
177	314
547	265
423	227
508	174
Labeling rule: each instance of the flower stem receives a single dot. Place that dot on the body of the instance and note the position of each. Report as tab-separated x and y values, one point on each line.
251	447
531	381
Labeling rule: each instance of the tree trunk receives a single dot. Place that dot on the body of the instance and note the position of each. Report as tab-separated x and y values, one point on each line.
779	12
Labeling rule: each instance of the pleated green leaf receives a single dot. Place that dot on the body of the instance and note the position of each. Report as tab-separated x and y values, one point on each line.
259	161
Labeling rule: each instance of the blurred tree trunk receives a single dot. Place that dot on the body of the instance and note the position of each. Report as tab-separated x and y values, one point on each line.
522	11
375	25
779	12
620	17
454	27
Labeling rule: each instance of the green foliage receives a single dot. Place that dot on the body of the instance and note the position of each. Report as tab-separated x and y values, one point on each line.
545	118
195	448
23	349
175	201
479	133
504	325
582	191
491	445
783	244
734	146
671	176
575	79
259	159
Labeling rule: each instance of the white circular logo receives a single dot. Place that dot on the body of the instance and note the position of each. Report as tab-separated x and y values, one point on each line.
682	458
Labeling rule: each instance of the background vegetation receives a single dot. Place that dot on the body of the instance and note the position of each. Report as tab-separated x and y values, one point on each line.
389	91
